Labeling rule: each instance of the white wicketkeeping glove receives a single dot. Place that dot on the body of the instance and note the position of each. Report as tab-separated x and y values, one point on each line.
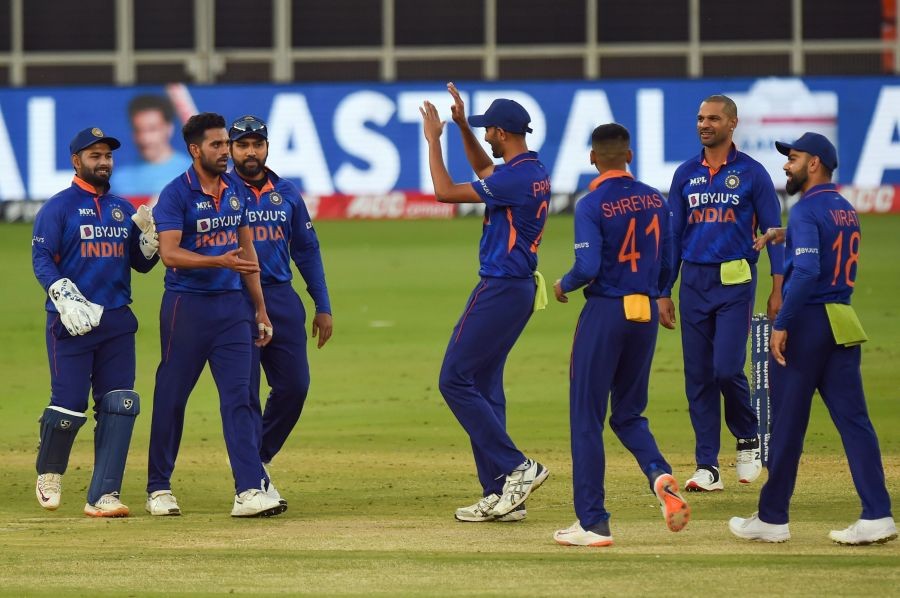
149	240
78	315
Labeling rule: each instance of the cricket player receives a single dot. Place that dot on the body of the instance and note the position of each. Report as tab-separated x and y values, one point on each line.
206	244
815	345
623	255
282	231
516	196
86	241
719	200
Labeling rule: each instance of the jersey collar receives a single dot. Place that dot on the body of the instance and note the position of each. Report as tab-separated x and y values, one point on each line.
85	186
611	174
823	188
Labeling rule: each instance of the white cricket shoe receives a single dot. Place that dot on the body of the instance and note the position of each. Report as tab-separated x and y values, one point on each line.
519	485
705	479
575	535
162	503
272	491
748	461
674	508
108	505
256	503
866	531
753	528
483	511
49	490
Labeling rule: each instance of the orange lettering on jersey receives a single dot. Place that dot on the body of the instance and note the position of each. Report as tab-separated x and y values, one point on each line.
217	239
102	249
712	215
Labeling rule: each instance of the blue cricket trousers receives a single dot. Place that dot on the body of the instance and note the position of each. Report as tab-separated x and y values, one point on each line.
715	325
287	369
815	362
611	359
102	360
471	379
196	329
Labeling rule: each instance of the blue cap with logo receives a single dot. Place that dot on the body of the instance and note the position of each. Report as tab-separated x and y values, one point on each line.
505	114
248	125
813	144
89	137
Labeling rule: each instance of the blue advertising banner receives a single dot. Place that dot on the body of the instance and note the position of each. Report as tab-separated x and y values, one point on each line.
366	138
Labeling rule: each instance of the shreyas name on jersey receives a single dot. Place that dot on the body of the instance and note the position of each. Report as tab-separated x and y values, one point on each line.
631	204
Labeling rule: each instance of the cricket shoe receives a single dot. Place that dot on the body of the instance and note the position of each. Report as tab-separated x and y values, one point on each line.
519	485
866	531
256	503
748	461
674	508
753	528
482	511
705	479
270	489
162	503
575	535
108	505
49	490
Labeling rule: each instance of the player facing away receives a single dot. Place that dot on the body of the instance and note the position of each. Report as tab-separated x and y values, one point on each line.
206	245
282	232
718	201
623	254
86	241
815	345
516	196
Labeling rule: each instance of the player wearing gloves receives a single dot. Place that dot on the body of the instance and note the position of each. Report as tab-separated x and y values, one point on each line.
86	240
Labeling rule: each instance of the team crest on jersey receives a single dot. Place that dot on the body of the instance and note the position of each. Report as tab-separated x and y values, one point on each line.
732	181
234	203
275	198
87	231
96	132
118	215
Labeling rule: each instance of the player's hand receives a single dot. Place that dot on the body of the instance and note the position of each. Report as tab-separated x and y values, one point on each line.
149	240
458	109
233	261
773	235
777	344
76	313
666	312
557	290
266	331
322	326
773	305
432	125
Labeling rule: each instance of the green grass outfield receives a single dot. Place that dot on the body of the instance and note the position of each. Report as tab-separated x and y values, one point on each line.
378	463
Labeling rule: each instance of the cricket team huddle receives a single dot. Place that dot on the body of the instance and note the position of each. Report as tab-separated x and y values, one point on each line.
227	240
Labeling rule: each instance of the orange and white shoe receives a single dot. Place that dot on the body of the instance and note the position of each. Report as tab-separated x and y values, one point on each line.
575	535
108	505
674	508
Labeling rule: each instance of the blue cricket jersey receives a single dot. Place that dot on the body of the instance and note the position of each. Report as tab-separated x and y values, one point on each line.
282	230
623	244
209	226
91	240
717	213
822	252
516	197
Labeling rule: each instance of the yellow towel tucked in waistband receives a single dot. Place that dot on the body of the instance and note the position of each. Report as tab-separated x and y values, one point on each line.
637	308
540	295
735	272
845	324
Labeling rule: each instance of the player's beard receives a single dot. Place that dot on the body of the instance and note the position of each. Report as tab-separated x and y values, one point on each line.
213	167
796	181
250	172
95	178
495	150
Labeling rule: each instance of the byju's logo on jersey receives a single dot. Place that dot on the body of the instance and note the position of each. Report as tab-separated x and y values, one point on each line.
694	200
87	231
732	181
118	215
697	180
204	225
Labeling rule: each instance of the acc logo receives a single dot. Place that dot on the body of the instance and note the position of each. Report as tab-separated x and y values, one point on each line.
203	225
128	403
275	198
234	203
65	424
118	215
732	181
87	231
694	200
96	132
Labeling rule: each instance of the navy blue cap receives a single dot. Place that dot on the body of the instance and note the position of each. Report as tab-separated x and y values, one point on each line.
89	137
813	144
248	125
505	114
